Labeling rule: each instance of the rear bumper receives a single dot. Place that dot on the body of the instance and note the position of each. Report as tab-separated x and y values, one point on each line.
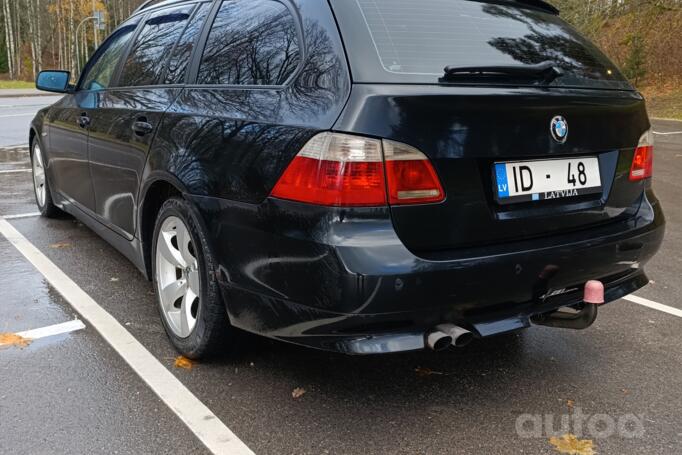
341	280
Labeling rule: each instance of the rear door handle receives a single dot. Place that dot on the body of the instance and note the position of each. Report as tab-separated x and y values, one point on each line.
141	127
84	120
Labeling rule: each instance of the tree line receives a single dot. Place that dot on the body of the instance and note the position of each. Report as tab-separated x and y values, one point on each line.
37	34
642	36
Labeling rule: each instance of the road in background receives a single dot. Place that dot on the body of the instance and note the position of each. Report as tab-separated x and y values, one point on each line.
16	114
74	394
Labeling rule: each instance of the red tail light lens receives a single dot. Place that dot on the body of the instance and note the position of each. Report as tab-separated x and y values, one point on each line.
643	162
410	176
342	170
335	170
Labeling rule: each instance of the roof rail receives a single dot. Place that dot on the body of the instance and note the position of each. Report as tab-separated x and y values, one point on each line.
143	6
152	3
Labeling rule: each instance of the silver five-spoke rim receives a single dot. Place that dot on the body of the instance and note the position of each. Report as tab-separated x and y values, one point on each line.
39	176
177	277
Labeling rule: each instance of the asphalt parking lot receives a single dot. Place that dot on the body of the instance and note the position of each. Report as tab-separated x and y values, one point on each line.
616	385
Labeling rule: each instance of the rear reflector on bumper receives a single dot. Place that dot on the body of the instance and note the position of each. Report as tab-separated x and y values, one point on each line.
343	170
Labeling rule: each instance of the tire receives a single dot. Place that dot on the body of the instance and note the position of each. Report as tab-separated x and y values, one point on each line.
193	314
41	185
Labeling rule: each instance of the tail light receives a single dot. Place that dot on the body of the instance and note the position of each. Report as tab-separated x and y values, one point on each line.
342	170
336	170
411	179
643	162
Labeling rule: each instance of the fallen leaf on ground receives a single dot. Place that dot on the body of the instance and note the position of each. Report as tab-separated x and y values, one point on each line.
427	372
60	245
183	362
298	392
570	445
12	339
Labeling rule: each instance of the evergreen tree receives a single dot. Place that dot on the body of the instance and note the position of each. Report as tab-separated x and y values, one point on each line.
3	56
634	66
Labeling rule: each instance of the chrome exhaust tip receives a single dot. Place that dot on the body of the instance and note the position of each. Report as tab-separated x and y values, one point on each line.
459	335
437	340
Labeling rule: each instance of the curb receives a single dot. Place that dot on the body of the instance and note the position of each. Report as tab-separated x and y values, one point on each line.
667	119
25	94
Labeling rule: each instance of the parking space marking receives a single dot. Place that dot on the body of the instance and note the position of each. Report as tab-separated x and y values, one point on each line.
52	330
205	425
653	305
21	216
13	148
15	171
13	163
668	134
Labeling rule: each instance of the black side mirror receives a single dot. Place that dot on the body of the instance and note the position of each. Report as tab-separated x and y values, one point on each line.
54	81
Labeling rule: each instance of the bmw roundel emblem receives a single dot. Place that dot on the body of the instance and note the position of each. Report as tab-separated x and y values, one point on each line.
559	129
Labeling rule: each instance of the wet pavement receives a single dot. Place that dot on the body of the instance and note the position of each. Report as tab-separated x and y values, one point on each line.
619	380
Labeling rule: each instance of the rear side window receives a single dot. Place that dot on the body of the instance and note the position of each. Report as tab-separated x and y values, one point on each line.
149	54
180	58
414	40
251	42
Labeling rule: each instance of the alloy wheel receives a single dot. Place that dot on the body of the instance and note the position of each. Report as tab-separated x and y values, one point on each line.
177	277
39	176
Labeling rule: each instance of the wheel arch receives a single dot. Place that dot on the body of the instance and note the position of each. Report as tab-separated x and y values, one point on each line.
158	189
32	135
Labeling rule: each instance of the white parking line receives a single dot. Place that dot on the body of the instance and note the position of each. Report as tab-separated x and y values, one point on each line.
13	148
14	163
199	419
14	171
654	305
21	216
52	330
668	134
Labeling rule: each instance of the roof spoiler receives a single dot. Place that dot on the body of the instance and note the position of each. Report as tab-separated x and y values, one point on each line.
545	6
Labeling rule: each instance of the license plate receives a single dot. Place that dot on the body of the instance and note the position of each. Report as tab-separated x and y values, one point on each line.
524	181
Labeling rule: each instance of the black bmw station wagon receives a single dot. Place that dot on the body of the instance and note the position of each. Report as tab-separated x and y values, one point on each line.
361	176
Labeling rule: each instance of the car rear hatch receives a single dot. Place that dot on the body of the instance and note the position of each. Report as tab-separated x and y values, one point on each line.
518	75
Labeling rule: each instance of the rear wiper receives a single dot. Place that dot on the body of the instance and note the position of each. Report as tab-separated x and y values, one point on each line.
544	72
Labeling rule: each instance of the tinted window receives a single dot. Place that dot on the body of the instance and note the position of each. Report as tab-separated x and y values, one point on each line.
416	39
101	70
179	61
252	42
149	54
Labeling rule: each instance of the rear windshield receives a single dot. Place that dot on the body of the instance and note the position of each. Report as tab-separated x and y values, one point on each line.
412	41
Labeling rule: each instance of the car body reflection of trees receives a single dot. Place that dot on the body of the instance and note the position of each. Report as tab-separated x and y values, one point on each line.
255	130
555	41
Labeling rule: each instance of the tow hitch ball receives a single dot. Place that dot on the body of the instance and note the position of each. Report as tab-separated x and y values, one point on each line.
576	317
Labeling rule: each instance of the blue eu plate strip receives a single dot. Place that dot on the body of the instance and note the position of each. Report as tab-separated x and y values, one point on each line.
502	185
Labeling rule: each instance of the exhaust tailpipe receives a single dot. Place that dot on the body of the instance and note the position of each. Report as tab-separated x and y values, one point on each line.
460	336
437	340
